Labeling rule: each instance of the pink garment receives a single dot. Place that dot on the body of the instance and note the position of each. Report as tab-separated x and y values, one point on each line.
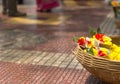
46	4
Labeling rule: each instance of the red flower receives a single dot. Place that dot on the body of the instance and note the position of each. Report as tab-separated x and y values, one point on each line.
88	42
82	41
101	53
99	37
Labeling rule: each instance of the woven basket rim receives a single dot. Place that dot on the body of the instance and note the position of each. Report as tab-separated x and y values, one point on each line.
114	36
102	58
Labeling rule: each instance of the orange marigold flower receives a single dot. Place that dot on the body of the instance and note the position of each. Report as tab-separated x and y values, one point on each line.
115	3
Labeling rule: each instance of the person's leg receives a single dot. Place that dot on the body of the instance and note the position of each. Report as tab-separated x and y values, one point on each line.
12	9
4	6
41	6
115	9
20	1
12	6
38	4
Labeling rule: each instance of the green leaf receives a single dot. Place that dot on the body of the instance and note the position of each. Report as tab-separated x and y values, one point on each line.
90	50
99	30
75	39
92	32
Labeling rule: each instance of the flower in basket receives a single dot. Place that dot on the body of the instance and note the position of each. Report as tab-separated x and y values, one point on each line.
99	45
115	2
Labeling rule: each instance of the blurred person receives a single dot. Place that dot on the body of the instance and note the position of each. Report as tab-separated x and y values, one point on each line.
4	5
20	1
46	5
107	1
10	8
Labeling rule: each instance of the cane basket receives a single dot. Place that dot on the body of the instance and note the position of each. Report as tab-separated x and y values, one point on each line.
105	69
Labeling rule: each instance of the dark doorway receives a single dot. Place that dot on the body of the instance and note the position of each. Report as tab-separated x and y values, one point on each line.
20	1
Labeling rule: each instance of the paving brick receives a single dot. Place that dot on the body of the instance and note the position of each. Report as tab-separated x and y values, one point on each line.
4	53
59	61
45	59
28	54
73	64
19	56
39	58
53	59
7	56
31	58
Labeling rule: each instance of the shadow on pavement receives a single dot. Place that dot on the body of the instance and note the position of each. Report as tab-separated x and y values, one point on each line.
93	80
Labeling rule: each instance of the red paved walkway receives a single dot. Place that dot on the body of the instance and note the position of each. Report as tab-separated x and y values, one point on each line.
55	38
58	38
34	74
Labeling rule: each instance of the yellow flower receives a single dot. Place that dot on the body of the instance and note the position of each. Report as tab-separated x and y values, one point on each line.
104	51
106	39
115	3
92	41
112	55
113	47
108	43
117	50
117	57
100	45
88	42
85	50
95	51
